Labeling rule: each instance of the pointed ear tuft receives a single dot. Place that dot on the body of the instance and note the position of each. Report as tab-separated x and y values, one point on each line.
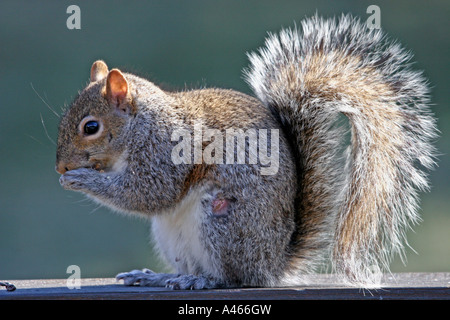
116	87
99	70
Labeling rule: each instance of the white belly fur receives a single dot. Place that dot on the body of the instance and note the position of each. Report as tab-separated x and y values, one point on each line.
177	234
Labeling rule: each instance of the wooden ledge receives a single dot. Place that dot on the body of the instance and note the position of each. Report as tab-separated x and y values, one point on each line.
398	286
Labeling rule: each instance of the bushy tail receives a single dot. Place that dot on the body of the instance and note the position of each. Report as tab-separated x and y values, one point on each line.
308	78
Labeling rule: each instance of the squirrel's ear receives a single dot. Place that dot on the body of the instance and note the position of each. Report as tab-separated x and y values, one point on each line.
117	89
99	70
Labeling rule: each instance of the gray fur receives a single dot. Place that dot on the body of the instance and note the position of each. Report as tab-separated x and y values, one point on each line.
277	227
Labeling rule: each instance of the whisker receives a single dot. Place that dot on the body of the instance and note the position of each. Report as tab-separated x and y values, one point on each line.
46	132
95	209
48	106
83	202
38	141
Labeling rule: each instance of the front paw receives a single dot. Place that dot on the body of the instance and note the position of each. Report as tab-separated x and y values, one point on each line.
78	179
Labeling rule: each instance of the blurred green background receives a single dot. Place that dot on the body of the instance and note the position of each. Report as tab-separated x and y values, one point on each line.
177	44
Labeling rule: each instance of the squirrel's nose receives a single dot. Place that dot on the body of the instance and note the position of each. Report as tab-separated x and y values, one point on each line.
61	168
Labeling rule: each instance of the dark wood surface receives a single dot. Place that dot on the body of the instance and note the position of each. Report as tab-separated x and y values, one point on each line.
397	286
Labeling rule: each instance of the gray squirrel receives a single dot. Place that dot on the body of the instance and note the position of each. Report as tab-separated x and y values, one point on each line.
228	225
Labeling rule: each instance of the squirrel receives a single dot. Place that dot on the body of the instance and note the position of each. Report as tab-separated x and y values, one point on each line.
222	225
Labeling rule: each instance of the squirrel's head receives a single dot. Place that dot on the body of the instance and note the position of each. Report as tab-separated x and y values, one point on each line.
90	130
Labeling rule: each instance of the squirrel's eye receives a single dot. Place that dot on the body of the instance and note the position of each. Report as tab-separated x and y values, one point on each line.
91	127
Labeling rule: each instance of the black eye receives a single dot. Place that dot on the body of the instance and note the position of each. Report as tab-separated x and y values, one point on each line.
91	127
